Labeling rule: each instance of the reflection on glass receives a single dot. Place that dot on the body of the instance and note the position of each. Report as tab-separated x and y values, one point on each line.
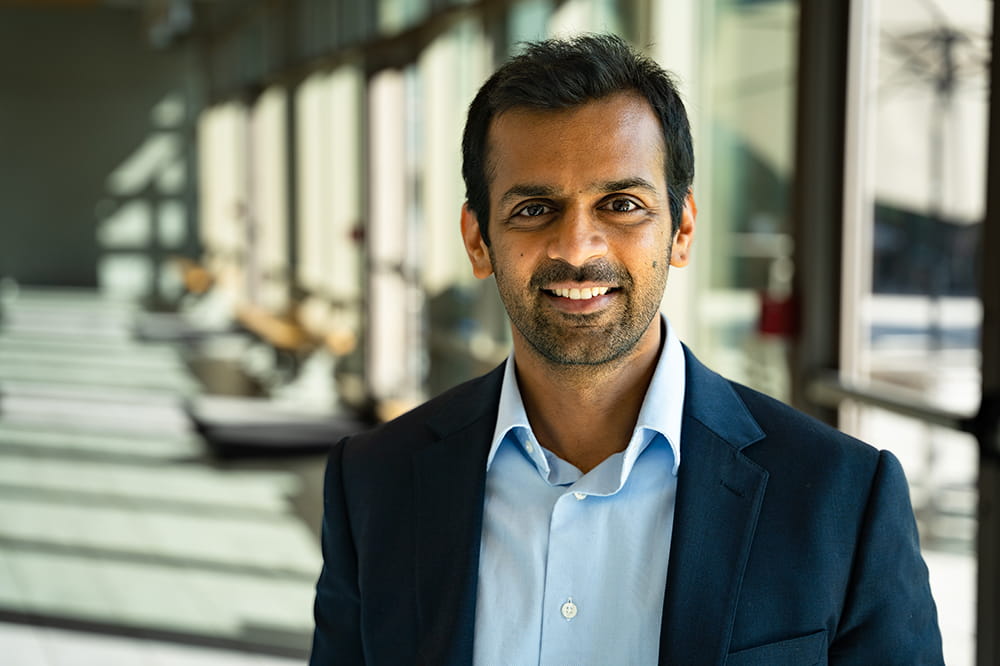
929	104
918	317
467	327
744	246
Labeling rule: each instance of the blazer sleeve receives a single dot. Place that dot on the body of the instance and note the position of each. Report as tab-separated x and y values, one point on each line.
337	610
889	615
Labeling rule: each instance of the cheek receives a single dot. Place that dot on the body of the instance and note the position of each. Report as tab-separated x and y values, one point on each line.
650	257
514	257
648	250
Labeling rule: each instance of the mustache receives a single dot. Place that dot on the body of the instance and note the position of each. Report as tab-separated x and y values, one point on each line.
595	271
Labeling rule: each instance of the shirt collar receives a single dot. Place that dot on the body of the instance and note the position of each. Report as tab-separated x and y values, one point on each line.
661	410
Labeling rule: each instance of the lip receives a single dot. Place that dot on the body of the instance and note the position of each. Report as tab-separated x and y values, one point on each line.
579	285
580	306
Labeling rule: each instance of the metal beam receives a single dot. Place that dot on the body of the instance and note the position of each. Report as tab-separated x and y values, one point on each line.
988	607
817	207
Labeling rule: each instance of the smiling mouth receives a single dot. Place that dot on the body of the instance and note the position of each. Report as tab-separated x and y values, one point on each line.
584	294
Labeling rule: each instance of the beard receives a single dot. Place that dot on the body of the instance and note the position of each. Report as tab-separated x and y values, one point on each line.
582	339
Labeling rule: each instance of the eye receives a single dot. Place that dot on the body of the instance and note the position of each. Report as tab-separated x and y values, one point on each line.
621	205
533	210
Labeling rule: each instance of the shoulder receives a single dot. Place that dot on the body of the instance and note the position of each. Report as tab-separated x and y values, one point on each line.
837	511
761	426
436	418
780	420
375	468
803	452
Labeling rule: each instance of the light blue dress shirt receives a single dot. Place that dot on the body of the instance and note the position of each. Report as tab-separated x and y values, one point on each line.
573	566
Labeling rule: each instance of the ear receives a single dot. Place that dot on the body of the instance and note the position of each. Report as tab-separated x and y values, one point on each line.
475	246
680	253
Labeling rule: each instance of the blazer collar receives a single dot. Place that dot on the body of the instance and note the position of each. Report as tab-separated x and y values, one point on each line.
719	494
711	400
450	479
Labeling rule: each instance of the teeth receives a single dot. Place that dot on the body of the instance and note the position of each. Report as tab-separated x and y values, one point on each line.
581	294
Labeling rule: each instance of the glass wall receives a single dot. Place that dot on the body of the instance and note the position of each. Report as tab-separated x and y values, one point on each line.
912	316
746	105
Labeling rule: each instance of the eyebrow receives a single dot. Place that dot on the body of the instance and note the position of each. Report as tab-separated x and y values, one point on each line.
627	184
526	190
532	190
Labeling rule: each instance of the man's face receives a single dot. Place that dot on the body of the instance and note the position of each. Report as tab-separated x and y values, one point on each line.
579	226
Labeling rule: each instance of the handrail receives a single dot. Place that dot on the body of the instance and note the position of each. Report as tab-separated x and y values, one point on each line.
829	390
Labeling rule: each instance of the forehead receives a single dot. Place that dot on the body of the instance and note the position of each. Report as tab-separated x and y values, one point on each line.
613	138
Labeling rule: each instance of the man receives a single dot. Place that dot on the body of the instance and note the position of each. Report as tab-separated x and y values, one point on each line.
602	497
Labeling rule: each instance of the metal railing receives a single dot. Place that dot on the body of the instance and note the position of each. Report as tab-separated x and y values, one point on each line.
829	390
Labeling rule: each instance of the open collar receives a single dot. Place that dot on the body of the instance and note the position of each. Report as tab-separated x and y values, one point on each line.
661	410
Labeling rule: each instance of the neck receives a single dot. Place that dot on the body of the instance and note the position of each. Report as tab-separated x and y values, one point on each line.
585	413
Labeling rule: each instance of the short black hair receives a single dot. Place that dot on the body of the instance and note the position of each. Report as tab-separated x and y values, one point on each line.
564	73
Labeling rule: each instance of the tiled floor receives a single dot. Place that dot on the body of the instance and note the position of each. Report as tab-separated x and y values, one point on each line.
114	520
36	646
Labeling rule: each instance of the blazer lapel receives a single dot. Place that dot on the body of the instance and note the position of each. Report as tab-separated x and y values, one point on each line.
719	493
450	478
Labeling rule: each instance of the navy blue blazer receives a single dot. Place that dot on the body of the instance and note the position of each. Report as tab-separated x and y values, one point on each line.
792	542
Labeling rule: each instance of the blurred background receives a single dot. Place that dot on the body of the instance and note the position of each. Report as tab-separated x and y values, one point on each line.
229	235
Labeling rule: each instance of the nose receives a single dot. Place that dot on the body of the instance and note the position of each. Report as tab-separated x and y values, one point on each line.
577	238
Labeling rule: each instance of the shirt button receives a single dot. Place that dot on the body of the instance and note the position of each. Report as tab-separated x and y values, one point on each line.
568	609
579	496
528	447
